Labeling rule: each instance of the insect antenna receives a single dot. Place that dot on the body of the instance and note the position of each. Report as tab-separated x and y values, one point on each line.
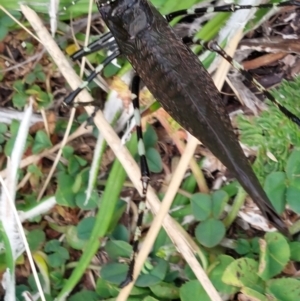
226	8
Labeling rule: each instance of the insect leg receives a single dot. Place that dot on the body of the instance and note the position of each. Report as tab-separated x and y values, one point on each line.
145	173
105	41
213	46
226	8
135	87
70	98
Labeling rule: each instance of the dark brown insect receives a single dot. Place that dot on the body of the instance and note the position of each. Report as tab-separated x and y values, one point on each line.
181	84
174	75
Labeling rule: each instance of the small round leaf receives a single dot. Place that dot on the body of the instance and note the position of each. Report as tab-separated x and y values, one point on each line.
85	227
201	206
210	232
154	160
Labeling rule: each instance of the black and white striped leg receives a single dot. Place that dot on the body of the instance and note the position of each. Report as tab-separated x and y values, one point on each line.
105	41
135	90
213	46
145	177
226	8
70	98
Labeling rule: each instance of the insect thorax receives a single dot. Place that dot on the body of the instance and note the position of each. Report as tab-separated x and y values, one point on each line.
126	18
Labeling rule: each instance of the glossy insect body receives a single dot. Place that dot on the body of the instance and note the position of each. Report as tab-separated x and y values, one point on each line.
181	84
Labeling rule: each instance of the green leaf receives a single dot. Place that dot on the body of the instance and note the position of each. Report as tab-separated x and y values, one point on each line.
52	245
293	165
65	197
274	255
292	195
57	278
21	289
63	252
3	32
253	295
84	295
92	203
30	78
67	151
103	288
35	170
243	273
146	280
78	183
295	251
58	258
243	246
120	232
81	161
14	127
219	201
73	240
41	142
118	213
18	86
41	76
85	227
19	100
201	206
189	185
110	70
193	290
155	276
275	187
114	272
162	240
73	166
216	274
182	212
118	248
210	232
64	194
284	289
3	128
154	160
148	298
165	290
36	239
160	269
255	245
58	255
32	283
150	137
8	148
